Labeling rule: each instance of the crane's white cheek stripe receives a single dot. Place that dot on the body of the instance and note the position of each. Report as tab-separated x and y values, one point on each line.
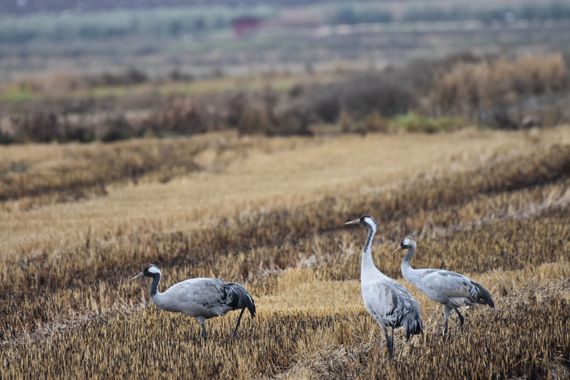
153	270
370	222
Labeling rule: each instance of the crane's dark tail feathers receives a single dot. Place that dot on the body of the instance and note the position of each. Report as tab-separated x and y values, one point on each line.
413	324
240	298
483	295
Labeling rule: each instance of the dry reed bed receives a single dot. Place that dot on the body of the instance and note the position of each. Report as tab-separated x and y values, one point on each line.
469	87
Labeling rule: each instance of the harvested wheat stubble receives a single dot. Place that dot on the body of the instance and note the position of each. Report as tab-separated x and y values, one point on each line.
310	341
503	220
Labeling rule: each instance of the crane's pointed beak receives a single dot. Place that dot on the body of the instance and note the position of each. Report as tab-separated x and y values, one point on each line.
137	276
355	221
397	250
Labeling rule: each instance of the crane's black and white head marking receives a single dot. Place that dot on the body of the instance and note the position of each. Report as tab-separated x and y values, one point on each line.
151	270
365	220
368	221
408	242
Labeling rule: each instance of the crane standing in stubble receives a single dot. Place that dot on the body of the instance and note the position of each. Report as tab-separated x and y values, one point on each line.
450	289
388	302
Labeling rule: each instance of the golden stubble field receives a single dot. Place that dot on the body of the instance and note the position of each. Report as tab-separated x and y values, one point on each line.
77	221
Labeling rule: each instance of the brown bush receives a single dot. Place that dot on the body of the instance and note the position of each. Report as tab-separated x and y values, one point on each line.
268	114
476	89
247	116
375	123
360	95
184	116
39	126
495	92
129	76
291	122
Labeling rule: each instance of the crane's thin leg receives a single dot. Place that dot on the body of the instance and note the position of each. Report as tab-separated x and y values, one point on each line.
235	333
446	313
202	322
461	319
389	342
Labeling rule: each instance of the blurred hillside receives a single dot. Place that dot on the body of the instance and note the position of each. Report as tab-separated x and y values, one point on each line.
241	38
85	71
30	6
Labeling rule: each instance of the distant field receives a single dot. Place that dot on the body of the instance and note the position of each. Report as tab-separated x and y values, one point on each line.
77	221
286	51
202	39
14	94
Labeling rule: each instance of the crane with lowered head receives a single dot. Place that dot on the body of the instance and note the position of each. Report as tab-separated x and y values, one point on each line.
201	298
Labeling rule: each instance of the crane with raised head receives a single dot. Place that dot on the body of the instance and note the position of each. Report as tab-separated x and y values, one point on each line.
450	289
386	300
201	298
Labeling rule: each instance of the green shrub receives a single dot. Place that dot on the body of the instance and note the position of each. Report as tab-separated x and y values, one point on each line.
413	122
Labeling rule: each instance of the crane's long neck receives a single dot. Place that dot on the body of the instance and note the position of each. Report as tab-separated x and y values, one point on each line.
367	268
154	286
407	271
161	300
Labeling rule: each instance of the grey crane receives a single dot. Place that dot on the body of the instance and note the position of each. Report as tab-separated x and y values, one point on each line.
201	298
388	302
450	289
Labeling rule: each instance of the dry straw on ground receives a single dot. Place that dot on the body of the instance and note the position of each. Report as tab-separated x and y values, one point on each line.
269	213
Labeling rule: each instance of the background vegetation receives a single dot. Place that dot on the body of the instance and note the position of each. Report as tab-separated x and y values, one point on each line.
428	95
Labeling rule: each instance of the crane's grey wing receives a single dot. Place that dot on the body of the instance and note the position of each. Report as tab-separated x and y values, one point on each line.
456	286
199	296
391	304
210	296
409	311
